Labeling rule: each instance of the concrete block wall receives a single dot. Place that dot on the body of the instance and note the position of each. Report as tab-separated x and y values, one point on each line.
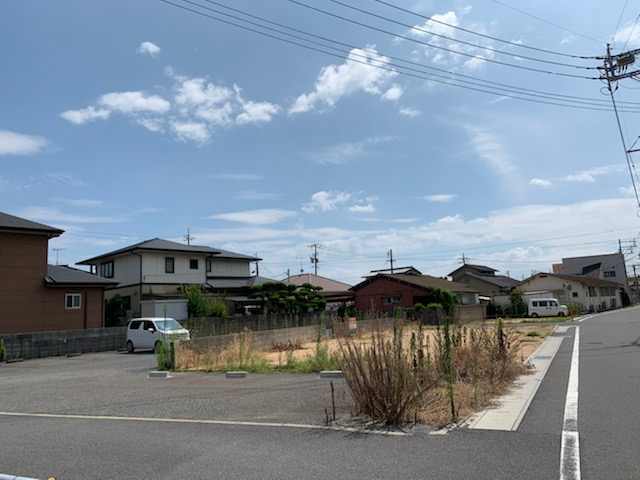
66	342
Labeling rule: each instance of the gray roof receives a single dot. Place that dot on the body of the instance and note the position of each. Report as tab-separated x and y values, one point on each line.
59	275
159	244
10	222
501	281
424	282
223	283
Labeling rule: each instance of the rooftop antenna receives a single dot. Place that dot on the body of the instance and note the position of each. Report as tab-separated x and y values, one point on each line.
57	250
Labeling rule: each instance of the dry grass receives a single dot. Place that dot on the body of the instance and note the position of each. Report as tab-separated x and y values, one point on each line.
406	374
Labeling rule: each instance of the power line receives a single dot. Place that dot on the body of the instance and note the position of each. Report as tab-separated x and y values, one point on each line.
551	52
547	22
478	85
457	40
439	47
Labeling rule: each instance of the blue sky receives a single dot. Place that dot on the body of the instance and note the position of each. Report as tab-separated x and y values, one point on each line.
368	130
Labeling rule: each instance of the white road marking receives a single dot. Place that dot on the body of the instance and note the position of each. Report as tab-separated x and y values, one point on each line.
570	449
205	422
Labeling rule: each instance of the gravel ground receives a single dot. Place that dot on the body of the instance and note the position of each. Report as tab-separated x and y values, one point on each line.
118	384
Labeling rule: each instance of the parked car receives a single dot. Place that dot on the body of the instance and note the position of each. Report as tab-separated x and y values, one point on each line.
546	307
153	332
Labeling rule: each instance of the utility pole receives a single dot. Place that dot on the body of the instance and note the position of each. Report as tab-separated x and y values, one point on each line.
464	259
635	284
314	257
390	255
616	67
188	237
257	266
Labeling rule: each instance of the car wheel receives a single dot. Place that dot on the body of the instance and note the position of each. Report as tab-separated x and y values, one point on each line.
534	315
561	314
130	347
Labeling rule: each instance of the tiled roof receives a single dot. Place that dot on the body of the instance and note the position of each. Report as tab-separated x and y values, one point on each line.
501	281
58	275
422	281
10	222
169	246
327	284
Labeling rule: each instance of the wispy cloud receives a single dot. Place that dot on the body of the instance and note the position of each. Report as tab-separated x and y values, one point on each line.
344	153
410	112
326	201
589	176
80	202
53	215
255	195
369	208
540	182
256	217
359	73
149	48
440	198
12	143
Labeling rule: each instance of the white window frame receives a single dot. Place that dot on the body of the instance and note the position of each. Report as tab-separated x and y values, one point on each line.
73	301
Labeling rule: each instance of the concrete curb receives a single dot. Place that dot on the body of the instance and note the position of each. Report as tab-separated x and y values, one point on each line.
513	406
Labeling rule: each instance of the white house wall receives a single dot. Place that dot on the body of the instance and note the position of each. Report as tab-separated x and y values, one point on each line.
230	268
126	270
153	268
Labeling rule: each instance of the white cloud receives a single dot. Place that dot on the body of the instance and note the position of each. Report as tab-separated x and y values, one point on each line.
151	124
149	48
326	201
12	143
80	202
540	182
369	208
134	102
394	93
254	195
589	176
440	198
190	131
256	217
447	46
257	112
628	34
85	115
195	92
359	73
410	112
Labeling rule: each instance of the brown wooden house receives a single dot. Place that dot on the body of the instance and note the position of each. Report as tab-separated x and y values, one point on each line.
36	296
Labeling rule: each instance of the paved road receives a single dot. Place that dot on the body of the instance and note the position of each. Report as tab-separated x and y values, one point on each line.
65	417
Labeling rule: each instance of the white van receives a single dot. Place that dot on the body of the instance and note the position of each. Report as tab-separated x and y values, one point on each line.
152	332
546	307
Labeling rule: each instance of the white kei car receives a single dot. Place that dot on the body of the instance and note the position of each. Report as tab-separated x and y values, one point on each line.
153	332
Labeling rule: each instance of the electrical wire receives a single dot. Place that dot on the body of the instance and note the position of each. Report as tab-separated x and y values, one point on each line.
439	47
486	87
457	40
551	52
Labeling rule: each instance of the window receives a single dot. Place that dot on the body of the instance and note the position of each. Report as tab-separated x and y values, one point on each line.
193	264
391	299
575	294
73	301
169	265
209	266
106	269
592	292
612	273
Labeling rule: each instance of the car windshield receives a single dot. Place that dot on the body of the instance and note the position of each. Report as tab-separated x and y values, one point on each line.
168	324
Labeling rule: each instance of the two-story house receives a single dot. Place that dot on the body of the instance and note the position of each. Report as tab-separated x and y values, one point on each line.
36	296
155	269
483	279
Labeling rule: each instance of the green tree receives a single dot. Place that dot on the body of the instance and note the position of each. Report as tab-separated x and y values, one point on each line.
202	304
282	298
114	311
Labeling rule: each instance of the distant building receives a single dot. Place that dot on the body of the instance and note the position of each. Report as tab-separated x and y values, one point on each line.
155	269
333	291
610	267
483	279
